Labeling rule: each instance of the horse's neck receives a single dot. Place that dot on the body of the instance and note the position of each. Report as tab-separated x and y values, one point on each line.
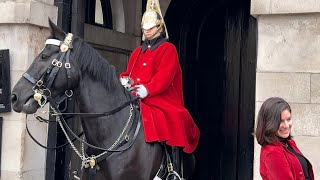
93	97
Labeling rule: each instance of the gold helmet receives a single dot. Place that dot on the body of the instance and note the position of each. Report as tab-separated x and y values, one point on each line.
153	17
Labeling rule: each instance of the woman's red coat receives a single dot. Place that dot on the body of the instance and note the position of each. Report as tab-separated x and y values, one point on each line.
164	116
278	163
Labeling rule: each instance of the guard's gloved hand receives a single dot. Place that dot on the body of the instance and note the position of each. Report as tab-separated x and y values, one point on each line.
141	91
126	82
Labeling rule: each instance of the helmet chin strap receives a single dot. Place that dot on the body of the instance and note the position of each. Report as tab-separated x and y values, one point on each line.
155	33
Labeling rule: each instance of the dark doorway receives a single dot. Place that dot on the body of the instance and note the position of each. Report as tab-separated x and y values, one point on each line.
216	41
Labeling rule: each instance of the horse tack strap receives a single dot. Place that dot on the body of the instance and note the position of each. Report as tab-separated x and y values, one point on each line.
93	169
55	42
65	46
54	71
46	147
68	66
108	113
52	76
103	157
29	78
92	173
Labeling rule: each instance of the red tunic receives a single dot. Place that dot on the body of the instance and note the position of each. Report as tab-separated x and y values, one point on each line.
278	163
163	113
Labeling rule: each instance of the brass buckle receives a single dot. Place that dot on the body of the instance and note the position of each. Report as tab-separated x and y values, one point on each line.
170	167
39	83
92	163
56	63
64	47
67	65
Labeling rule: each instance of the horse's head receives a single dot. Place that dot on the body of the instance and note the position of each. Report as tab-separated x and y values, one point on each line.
52	74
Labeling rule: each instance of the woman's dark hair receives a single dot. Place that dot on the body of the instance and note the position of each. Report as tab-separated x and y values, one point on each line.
269	119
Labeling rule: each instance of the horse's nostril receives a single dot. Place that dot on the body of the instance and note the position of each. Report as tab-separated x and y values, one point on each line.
13	98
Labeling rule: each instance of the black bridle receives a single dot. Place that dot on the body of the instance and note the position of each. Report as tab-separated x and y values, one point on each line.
42	94
42	86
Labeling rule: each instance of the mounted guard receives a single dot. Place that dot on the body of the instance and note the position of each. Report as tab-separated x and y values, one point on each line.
154	74
115	146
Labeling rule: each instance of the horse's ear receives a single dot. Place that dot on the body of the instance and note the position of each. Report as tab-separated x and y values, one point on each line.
56	32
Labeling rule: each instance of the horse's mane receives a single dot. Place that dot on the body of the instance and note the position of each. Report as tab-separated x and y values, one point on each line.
91	62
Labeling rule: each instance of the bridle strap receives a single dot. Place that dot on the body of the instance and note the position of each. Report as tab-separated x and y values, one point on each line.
52	76
67	66
108	113
29	78
53	42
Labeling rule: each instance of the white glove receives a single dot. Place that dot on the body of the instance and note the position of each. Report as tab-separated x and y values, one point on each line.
126	82
141	91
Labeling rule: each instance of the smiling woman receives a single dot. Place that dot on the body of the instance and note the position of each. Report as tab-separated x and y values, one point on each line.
280	157
285	124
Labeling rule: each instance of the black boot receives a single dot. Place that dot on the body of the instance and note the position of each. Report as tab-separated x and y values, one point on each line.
176	164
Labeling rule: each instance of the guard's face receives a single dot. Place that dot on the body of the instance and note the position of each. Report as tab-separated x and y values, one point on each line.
151	33
285	124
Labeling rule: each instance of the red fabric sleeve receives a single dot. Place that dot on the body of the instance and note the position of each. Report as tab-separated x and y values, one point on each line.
277	166
166	72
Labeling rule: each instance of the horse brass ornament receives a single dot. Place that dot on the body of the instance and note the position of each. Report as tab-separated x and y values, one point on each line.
37	96
170	167
92	163
66	43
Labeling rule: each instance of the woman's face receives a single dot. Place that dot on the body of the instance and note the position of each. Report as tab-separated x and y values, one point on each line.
151	33
285	125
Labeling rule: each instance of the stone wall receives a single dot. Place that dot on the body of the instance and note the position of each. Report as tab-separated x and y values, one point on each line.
288	66
23	30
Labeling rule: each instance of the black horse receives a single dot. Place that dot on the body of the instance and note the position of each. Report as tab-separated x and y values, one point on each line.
69	67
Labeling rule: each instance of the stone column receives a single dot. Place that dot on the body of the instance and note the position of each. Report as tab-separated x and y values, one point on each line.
23	30
289	67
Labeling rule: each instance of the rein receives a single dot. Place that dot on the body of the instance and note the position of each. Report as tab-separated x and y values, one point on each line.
108	113
47	147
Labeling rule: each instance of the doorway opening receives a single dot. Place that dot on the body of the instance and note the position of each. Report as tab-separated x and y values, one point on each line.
216	42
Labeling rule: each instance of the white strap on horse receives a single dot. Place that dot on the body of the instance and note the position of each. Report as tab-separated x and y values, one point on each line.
53	42
157	178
